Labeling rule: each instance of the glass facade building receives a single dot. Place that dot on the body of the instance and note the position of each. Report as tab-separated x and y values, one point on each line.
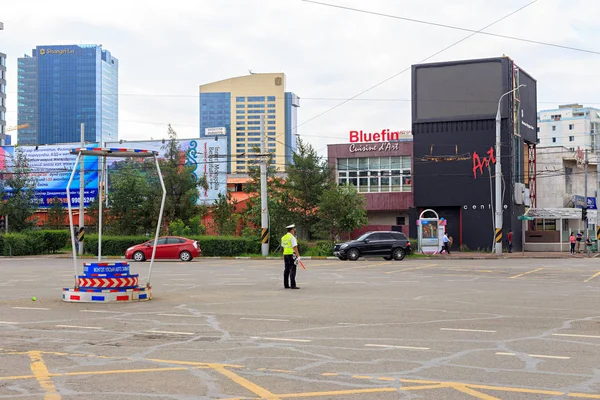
235	106
61	87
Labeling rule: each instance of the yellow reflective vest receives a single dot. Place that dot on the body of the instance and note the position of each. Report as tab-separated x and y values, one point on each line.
286	243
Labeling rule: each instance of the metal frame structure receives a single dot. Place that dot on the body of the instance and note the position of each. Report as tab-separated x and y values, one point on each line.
104	153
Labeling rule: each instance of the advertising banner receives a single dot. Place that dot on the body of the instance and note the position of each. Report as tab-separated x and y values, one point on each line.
208	157
51	166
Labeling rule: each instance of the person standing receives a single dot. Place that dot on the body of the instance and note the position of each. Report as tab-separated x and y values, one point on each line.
572	241
290	248
579	239
588	244
446	242
509	238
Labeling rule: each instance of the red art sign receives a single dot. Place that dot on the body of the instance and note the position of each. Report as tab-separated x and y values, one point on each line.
479	163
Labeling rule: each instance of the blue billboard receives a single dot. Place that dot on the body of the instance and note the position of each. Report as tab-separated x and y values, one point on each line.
51	167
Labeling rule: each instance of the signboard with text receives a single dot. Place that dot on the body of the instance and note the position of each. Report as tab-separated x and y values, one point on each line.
51	167
207	157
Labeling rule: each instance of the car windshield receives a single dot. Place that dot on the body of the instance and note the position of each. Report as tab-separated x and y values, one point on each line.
364	236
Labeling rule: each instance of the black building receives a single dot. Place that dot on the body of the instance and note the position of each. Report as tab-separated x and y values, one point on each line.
454	106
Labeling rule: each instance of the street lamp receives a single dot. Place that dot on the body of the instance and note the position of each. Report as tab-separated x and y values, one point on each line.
499	175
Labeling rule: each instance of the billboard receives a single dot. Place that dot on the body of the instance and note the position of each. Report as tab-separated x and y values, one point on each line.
208	157
462	90
51	166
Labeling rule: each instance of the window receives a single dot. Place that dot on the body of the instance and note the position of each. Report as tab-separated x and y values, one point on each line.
271	98
239	145
271	122
271	111
254	117
239	111
270	117
240	123
257	111
571	127
271	128
553	140
253	122
240	140
256	98
571	138
240	106
553	128
256	106
376	174
238	99
271	105
254	128
240	117
400	220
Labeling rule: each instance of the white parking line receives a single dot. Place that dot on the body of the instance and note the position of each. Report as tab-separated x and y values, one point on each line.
466	330
535	355
283	340
78	327
31	308
266	319
181	315
571	335
8	323
102	311
172	333
385	346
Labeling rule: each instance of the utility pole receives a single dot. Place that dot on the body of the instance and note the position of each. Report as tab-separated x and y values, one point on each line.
81	234
585	187
264	207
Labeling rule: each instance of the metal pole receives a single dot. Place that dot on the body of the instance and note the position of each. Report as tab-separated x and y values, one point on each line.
498	175
81	190
162	207
71	218
264	214
585	189
100	186
523	227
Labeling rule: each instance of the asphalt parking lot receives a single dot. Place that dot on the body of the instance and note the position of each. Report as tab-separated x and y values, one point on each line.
372	329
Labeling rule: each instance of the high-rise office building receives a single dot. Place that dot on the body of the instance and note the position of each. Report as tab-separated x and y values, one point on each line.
2	96
62	86
233	107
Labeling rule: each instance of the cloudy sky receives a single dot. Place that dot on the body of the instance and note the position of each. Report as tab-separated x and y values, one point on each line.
167	49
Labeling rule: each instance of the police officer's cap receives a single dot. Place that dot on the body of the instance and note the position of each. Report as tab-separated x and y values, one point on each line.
292	226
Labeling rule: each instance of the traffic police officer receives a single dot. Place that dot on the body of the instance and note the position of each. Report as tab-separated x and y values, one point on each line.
290	247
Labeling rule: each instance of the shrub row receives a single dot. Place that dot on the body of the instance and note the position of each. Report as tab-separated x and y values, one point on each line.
33	242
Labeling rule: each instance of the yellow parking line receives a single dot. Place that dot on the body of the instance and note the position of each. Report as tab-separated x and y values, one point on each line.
251	386
41	373
526	273
336	393
592	277
412	269
474	393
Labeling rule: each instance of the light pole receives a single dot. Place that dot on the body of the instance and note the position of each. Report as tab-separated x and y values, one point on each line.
497	178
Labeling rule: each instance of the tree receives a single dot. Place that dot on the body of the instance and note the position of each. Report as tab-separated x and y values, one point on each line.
132	200
224	215
18	190
308	177
56	214
180	182
341	210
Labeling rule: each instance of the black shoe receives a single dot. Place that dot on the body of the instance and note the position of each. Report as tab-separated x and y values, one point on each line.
294	287
286	287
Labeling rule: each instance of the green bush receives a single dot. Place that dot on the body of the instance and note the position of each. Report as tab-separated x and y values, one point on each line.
228	246
33	242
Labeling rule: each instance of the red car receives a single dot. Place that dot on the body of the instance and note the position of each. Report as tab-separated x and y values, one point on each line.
168	247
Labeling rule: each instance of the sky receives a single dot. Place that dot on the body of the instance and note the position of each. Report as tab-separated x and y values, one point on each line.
166	50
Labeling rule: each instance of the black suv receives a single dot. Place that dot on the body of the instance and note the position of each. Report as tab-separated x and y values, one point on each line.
387	244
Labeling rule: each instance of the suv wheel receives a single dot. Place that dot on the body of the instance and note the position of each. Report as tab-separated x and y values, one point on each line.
399	254
353	254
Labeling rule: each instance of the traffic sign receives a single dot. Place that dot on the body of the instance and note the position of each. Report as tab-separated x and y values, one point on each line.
525	218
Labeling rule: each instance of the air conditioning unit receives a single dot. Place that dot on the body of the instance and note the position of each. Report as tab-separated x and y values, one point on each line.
519	193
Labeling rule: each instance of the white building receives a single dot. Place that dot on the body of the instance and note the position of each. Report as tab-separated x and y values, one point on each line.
571	126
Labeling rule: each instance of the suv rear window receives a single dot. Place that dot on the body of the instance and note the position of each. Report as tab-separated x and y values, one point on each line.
399	236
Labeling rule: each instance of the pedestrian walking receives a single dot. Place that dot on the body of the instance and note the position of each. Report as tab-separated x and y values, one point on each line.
572	241
446	242
579	239
290	248
509	238
588	245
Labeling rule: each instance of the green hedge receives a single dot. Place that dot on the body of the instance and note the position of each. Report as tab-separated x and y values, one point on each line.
33	242
111	245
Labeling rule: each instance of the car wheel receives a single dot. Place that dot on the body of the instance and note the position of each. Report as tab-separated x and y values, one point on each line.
139	256
353	254
343	258
399	254
387	258
185	256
